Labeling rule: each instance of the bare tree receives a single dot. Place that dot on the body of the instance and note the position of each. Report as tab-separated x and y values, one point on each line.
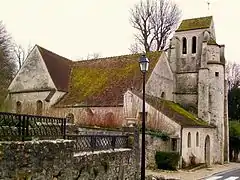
233	74
135	48
155	21
90	56
21	53
93	56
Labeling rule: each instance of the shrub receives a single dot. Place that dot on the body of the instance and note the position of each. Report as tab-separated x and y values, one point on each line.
167	160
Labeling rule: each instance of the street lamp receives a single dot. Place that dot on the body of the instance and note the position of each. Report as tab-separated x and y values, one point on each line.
144	64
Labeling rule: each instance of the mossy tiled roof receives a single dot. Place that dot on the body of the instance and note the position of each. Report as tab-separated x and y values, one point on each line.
175	112
195	23
103	82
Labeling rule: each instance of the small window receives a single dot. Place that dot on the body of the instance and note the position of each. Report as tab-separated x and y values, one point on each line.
216	74
174	144
197	139
18	107
194	44
163	95
39	107
189	140
184	45
70	118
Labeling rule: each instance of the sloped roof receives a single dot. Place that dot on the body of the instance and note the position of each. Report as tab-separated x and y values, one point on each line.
212	41
103	82
58	67
195	23
175	112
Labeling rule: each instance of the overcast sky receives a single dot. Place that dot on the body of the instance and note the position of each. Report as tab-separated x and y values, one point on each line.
74	28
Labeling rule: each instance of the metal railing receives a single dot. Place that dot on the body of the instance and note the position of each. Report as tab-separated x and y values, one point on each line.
25	127
99	142
19	127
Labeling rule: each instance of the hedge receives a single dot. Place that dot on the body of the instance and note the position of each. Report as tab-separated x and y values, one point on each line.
167	160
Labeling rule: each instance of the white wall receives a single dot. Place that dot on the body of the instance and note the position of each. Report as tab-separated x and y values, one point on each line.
199	151
155	119
161	79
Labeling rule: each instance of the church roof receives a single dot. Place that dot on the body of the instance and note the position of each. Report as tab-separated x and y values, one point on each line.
212	41
103	82
58	67
175	112
195	23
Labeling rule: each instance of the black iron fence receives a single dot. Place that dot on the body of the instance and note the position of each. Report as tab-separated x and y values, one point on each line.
25	127
15	127
100	142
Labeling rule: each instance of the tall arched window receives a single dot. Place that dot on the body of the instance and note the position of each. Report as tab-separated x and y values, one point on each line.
18	107
189	140
194	44
39	107
197	139
163	95
184	45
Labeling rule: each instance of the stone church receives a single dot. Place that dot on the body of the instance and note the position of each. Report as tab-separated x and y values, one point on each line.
186	91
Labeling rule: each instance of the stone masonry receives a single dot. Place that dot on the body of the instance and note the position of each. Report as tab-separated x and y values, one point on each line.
55	160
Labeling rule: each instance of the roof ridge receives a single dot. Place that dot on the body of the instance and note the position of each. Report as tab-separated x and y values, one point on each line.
112	57
44	49
197	18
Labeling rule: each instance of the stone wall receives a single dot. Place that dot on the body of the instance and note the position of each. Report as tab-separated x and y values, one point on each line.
33	75
55	160
154	144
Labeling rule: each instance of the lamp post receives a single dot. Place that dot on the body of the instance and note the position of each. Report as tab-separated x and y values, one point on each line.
144	64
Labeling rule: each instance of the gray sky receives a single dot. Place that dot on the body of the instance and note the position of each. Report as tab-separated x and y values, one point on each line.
74	28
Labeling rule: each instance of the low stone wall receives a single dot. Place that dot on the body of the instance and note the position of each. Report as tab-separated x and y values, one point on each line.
153	144
55	160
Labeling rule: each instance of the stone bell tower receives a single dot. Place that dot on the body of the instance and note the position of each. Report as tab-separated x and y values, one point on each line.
198	64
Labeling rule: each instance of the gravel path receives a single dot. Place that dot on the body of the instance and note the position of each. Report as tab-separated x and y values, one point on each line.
193	175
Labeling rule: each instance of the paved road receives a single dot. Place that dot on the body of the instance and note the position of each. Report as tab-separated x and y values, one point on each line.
229	175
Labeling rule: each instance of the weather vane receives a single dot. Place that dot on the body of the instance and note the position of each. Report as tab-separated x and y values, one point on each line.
208	3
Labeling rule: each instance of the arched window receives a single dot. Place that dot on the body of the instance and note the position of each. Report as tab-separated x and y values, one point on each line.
163	95
18	107
189	140
194	44
184	45
70	118
39	107
197	139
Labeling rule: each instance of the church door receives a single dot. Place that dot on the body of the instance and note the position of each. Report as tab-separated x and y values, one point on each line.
207	150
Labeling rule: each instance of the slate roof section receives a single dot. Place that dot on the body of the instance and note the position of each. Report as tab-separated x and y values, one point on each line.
58	67
195	23
103	82
175	112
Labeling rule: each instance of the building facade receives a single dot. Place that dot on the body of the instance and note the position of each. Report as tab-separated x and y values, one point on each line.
186	91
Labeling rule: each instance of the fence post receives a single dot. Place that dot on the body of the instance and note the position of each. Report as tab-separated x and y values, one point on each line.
64	128
19	126
113	142
22	117
93	142
27	126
